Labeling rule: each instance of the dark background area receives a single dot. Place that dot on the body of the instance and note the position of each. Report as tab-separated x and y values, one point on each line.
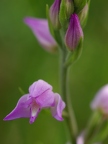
23	61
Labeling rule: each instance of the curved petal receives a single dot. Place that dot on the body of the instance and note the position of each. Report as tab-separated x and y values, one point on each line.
21	109
58	108
46	99
41	31
39	87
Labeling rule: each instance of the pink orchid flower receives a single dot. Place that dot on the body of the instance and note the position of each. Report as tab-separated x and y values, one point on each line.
40	96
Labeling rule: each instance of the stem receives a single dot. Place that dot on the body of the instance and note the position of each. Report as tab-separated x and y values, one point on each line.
71	121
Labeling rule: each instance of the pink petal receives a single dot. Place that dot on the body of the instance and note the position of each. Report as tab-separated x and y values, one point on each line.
80	139
101	100
21	109
41	31
58	108
38	88
46	99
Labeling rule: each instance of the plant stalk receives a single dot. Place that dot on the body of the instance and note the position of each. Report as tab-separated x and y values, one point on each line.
64	77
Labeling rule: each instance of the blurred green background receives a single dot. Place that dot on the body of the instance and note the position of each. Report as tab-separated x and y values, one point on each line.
23	61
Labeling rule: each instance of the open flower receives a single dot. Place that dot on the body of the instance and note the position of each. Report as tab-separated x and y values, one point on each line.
100	102
41	31
40	96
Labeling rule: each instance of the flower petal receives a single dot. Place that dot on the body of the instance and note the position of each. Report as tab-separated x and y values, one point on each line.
39	87
80	139
101	100
41	31
46	99
58	108
21	109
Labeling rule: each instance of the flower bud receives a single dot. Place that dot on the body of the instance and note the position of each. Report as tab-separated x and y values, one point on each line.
54	14
66	9
79	4
74	33
83	15
100	102
69	7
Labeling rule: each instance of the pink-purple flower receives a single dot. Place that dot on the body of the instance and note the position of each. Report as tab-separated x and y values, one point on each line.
40	96
100	102
41	31
74	33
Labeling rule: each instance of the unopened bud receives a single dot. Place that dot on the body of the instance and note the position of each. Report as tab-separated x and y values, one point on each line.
100	102
79	4
66	9
83	15
54	14
69	7
74	33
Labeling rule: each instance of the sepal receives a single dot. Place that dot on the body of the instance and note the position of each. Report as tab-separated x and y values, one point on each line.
55	33
66	9
83	15
75	55
54	14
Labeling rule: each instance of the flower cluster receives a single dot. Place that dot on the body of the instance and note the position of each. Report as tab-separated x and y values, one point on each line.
40	96
65	14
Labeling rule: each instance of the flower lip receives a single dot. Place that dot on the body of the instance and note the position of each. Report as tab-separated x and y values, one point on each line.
34	110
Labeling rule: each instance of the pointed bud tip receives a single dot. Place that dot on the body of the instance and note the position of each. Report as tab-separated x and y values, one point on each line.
54	14
74	33
83	15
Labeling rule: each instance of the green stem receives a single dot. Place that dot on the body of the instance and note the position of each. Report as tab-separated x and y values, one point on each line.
71	121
